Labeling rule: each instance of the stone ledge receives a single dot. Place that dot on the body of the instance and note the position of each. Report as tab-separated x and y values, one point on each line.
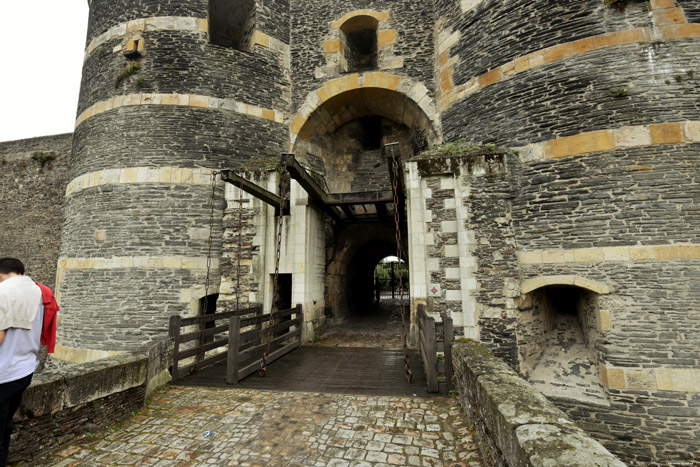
516	425
66	403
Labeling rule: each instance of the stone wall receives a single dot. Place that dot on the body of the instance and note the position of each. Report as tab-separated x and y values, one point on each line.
600	105
33	176
160	109
69	402
314	23
514	424
461	241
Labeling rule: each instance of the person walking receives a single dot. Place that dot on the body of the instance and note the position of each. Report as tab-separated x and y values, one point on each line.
21	319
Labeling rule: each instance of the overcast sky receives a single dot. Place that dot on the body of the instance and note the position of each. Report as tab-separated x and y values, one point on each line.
43	43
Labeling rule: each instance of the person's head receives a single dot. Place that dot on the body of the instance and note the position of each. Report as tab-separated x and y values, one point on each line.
10	267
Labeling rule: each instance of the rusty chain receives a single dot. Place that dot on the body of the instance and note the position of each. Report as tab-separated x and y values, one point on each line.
275	284
404	334
202	326
240	248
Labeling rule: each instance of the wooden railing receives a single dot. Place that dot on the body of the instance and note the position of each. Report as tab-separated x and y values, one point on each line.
435	341
246	349
242	332
199	346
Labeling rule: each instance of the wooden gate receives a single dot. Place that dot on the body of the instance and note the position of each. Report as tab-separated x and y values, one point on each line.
435	340
247	342
239	337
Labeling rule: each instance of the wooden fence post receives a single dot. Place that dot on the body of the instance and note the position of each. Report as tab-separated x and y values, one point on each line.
449	338
174	333
431	353
232	363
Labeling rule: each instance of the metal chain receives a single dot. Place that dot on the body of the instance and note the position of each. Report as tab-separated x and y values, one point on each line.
240	248
275	284
202	325
404	334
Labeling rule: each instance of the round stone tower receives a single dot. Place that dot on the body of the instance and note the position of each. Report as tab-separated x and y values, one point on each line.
170	92
594	237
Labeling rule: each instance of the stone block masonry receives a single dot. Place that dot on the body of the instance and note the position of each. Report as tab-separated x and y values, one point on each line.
65	404
312	25
516	425
33	177
150	131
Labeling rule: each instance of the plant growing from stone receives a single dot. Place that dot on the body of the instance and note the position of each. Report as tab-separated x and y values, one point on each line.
618	93
44	158
131	68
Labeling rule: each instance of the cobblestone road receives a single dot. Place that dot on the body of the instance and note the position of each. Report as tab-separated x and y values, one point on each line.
184	426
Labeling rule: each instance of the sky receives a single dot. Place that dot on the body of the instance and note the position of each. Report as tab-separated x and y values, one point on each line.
43	47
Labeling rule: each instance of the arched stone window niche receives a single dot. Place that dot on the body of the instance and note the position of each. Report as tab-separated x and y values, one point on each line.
358	37
560	323
231	24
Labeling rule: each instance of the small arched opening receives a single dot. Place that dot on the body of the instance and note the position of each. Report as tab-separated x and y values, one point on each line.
358	37
558	329
231	24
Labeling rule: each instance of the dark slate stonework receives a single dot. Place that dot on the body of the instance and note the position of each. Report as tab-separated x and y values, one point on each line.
153	136
144	298
184	62
572	96
641	196
31	202
311	25
106	13
143	220
160	220
496	32
663	293
643	426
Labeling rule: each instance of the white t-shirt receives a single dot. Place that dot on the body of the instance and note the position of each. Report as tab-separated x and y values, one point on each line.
18	350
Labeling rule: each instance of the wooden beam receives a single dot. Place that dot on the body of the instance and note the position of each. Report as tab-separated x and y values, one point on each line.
367	197
307	182
254	190
348	211
302	177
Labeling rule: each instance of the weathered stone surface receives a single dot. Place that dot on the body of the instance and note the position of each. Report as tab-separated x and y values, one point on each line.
70	401
515	424
32	200
552	446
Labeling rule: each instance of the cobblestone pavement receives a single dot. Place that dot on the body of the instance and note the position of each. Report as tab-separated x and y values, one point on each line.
184	426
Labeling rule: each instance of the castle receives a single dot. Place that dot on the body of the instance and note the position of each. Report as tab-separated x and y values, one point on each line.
574	254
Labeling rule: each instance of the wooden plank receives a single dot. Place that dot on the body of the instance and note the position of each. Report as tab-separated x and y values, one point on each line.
212	360
222	315
174	333
449	340
250	353
232	354
307	182
258	333
245	322
361	371
253	367
431	357
206	348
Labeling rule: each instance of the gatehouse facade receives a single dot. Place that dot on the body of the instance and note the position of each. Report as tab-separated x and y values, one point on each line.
548	159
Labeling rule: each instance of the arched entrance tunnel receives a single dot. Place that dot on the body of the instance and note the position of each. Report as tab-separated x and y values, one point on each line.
355	315
343	144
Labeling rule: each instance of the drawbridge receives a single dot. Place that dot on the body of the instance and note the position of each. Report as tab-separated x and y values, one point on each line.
234	348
